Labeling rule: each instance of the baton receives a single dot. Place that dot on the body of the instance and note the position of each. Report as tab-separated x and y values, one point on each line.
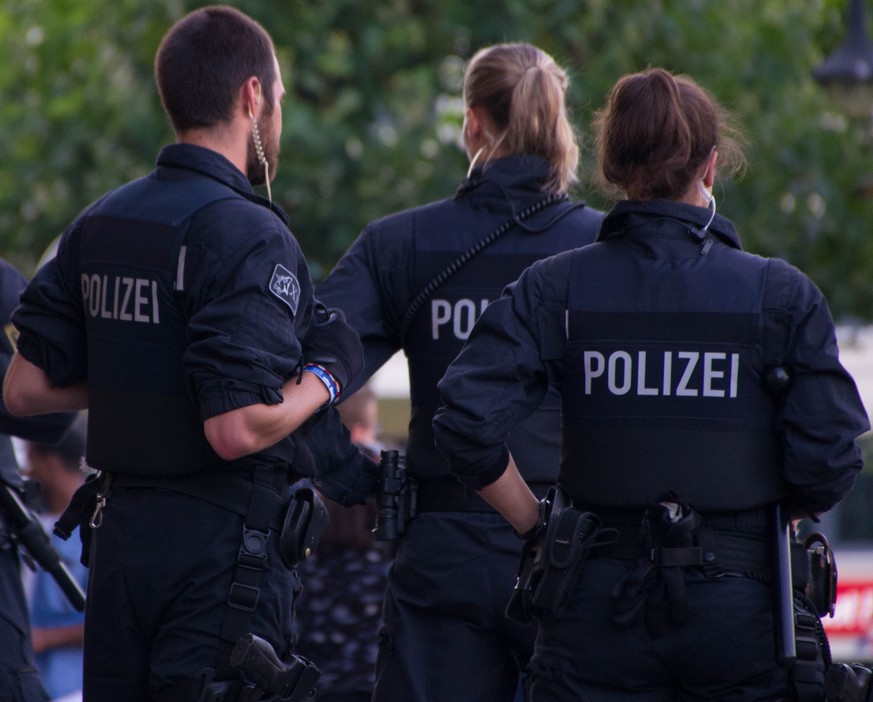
786	646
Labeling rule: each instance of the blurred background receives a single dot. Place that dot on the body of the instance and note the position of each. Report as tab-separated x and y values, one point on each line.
373	115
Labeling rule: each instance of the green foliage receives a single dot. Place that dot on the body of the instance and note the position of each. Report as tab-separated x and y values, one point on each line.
372	121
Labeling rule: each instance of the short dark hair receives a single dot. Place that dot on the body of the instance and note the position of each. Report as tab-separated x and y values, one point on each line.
204	59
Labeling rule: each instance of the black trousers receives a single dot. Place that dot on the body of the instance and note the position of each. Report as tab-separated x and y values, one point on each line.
444	636
725	651
161	570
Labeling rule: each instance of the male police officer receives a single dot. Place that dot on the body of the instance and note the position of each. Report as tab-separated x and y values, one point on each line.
179	310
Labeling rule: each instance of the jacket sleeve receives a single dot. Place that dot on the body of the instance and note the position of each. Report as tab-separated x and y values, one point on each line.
370	284
501	376
821	414
47	428
50	319
250	310
340	470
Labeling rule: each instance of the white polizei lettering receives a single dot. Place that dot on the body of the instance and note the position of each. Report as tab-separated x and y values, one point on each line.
440	313
710	374
105	312
641	376
140	301
465	318
683	390
121	298
156	316
668	372
462	316
612	375
94	302
124	314
735	373
589	357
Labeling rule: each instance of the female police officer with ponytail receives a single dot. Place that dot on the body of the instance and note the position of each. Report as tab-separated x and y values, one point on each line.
660	337
402	286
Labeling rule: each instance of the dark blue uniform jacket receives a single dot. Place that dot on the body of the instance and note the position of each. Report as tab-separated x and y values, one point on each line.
173	311
670	339
394	258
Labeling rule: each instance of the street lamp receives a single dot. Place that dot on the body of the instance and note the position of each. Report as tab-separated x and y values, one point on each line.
847	74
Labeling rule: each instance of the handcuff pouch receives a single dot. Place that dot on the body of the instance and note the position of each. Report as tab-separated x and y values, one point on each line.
304	524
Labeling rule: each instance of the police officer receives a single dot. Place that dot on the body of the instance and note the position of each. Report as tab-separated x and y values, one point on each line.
402	286
663	338
179	311
19	677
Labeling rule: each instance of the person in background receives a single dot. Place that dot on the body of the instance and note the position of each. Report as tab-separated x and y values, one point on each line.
341	602
404	286
56	628
19	676
701	386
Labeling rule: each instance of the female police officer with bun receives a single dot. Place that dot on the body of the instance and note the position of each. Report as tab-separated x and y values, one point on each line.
661	338
444	636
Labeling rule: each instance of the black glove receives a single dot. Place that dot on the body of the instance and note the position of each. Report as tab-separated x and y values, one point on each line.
332	344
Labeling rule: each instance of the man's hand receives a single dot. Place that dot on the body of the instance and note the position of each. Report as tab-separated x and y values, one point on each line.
332	344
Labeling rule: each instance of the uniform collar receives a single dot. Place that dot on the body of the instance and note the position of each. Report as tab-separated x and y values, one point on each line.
212	164
632	213
508	179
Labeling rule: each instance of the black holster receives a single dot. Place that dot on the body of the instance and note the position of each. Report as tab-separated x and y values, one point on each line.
78	514
304	524
814	584
551	564
672	538
263	677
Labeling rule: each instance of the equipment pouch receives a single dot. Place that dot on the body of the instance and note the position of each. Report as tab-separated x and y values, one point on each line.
822	585
305	523
570	534
78	514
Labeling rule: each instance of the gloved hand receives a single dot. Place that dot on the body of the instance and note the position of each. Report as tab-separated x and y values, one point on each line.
332	344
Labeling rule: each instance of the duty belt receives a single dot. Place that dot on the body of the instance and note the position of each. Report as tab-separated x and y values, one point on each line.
224	489
729	541
453	496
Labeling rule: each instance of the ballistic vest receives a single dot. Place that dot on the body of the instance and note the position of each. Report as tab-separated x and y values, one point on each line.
664	385
142	418
438	331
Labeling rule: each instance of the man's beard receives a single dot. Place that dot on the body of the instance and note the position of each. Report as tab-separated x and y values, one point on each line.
254	167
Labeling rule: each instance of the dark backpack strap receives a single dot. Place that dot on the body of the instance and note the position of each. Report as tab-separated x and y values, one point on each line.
475	250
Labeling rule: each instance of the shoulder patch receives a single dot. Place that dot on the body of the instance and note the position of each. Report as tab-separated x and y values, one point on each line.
285	286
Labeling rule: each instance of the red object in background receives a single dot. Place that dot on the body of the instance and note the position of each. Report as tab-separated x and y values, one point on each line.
854	611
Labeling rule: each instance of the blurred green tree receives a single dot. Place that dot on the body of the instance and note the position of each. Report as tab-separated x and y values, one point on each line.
372	122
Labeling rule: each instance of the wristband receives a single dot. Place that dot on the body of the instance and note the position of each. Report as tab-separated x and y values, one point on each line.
323	374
